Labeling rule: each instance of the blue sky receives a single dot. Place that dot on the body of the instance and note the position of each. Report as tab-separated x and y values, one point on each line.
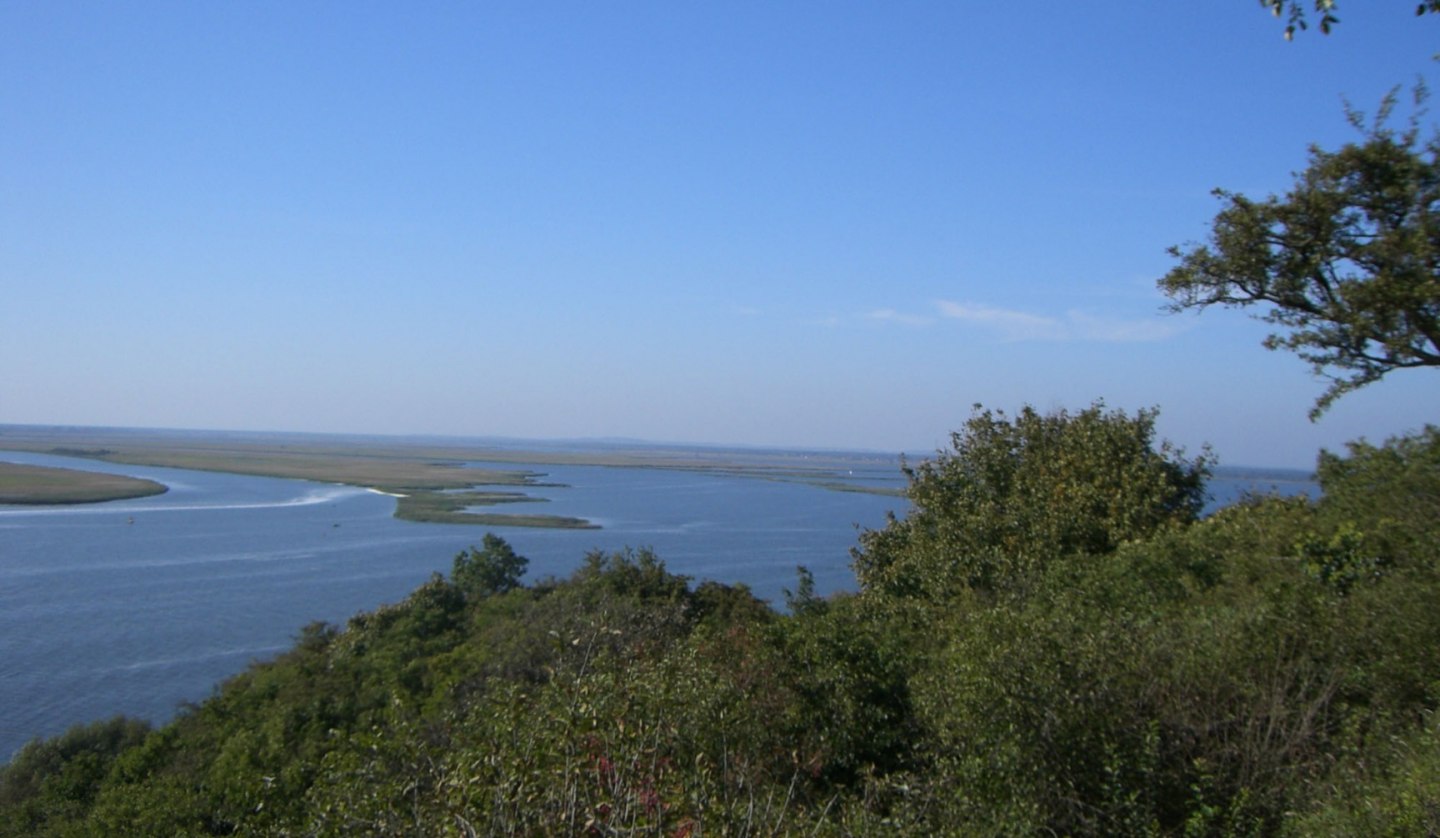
797	224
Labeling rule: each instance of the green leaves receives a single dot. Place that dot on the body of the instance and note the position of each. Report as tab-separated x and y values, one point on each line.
1340	561
1346	265
1012	495
1297	20
50	781
1049	644
494	568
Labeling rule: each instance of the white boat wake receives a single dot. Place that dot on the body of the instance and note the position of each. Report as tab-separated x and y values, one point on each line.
140	506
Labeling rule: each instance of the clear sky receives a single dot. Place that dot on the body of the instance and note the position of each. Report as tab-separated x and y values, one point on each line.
798	224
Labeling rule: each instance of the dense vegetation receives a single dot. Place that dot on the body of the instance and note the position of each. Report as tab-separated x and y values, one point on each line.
1050	643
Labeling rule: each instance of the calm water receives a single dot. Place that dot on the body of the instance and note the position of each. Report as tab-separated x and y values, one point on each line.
137	606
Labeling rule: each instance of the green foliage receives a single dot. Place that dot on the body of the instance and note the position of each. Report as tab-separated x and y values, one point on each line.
50	781
1012	495
1395	487
1340	561
1347	264
848	672
1038	721
1295	12
803	599
1396	795
716	604
495	568
650	707
1059	648
1297	20
1197	683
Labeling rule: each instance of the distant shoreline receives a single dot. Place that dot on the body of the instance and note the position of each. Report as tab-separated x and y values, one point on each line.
430	480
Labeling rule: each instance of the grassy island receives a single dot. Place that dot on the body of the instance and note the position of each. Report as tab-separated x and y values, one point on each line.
455	508
432	484
431	477
44	485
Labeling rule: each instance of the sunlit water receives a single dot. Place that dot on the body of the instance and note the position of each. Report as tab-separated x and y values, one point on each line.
138	606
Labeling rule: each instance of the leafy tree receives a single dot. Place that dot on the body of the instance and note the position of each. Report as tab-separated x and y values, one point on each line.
495	568
1348	261
1013	494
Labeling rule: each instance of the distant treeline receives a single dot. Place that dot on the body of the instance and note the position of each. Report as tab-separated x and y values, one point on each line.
1051	642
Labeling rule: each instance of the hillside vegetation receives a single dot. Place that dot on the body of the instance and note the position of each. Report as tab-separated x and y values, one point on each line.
1050	643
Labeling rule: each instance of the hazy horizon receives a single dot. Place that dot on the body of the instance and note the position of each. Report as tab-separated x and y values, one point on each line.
538	444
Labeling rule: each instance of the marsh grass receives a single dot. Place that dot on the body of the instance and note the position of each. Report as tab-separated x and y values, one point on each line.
454	508
25	484
432	485
433	479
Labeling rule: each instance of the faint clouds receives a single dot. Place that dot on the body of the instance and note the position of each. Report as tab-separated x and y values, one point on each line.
1012	325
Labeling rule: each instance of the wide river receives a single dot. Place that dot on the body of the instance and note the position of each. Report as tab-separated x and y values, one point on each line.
136	607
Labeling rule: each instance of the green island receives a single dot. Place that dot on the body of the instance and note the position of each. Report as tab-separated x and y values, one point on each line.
454	508
27	484
430	486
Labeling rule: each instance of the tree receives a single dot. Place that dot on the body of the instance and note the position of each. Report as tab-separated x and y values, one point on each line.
1011	495
493	569
1348	261
1297	20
